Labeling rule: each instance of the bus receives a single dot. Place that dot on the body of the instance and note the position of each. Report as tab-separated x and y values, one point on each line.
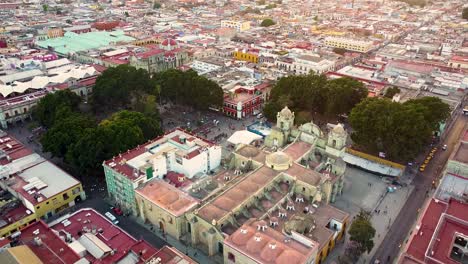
112	218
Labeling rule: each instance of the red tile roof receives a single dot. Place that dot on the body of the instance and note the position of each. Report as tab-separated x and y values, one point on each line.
53	250
432	240
111	235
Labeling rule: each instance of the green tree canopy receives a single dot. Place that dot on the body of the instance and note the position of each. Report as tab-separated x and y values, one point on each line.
399	130
65	133
54	106
267	22
362	232
465	13
390	92
434	110
156	5
315	94
117	86
339	51
343	94
124	130
190	89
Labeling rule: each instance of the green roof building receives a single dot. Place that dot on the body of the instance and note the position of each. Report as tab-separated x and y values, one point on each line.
72	42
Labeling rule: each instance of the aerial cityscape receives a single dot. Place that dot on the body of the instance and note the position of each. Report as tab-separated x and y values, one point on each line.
234	131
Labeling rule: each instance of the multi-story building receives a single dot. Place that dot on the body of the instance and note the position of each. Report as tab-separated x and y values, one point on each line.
165	206
176	151
242	102
290	200
167	56
458	161
458	62
256	242
32	187
305	64
250	55
85	236
209	64
239	26
440	235
349	44
55	32
18	97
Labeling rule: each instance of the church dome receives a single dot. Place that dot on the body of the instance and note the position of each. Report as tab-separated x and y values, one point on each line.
339	129
169	42
286	112
278	161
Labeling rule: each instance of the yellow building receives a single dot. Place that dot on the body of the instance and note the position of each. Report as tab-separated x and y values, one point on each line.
55	32
349	44
19	254
246	55
239	26
165	206
37	189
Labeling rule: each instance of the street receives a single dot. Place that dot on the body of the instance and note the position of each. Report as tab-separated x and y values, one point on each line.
388	250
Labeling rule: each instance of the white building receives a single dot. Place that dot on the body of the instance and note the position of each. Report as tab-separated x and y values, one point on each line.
209	64
349	44
239	26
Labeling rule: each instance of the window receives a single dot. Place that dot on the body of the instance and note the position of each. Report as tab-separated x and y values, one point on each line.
76	190
65	196
231	257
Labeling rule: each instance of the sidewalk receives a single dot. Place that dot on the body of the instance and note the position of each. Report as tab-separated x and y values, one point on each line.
385	214
193	253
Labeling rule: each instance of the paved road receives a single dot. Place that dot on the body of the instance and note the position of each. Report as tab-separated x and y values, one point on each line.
390	246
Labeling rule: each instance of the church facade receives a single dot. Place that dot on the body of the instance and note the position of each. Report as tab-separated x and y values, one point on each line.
289	185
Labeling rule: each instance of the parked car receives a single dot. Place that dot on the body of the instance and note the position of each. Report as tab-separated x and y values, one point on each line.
117	211
444	147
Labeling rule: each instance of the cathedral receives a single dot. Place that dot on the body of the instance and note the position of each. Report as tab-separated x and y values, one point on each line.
283	190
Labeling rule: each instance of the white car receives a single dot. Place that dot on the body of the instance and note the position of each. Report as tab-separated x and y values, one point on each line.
444	147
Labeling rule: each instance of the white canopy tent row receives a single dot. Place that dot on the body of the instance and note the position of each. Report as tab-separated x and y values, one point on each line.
41	82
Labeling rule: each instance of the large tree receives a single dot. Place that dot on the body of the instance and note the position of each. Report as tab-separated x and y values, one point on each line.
433	108
267	22
54	106
117	86
65	133
465	13
315	94
362	232
189	89
343	95
399	130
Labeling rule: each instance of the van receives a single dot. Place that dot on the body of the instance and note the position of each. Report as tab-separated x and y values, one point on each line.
112	218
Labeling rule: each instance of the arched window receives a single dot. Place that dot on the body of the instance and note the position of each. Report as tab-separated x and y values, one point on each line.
231	257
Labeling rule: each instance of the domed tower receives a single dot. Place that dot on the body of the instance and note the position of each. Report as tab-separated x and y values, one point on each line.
337	140
169	44
285	120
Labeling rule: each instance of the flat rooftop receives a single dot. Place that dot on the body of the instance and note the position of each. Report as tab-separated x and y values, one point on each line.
126	163
297	149
461	153
72	42
167	197
436	232
269	246
86	220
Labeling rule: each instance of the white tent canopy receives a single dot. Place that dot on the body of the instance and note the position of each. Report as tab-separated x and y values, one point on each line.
243	137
